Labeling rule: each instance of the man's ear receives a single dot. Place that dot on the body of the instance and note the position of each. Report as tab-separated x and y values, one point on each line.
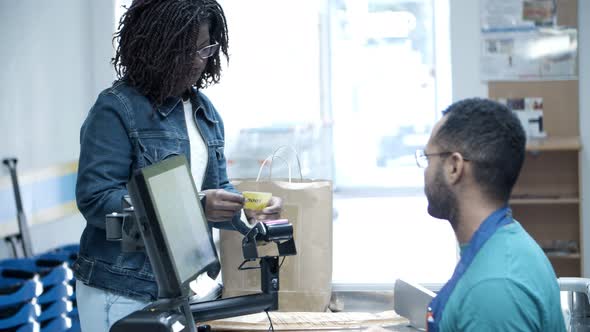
455	168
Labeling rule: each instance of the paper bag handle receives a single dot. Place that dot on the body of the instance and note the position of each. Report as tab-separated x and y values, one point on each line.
270	172
273	156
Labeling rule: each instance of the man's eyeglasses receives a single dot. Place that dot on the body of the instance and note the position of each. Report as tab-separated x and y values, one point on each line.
208	51
422	157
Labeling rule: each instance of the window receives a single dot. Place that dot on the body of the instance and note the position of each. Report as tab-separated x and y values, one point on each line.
355	86
385	102
270	94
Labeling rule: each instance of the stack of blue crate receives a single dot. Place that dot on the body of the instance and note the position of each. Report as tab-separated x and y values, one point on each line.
68	254
18	300
55	296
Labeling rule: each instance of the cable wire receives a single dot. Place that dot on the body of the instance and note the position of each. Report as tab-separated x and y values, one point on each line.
283	260
271	327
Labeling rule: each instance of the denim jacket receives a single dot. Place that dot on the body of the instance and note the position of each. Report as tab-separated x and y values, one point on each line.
122	133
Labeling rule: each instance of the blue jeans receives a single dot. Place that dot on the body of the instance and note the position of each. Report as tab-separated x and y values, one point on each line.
100	309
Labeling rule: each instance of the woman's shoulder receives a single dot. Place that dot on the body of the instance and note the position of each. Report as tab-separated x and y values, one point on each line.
210	111
124	90
122	96
203	99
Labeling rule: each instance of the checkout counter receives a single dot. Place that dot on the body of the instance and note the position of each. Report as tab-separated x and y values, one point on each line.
153	221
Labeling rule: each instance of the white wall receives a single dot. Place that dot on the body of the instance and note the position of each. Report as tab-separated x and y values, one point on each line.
584	70
54	59
466	83
465	50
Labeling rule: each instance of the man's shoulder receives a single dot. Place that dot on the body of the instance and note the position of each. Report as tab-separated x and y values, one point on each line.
510	258
513	248
509	273
506	304
510	254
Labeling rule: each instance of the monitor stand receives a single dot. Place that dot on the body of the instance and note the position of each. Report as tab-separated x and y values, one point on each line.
163	315
178	314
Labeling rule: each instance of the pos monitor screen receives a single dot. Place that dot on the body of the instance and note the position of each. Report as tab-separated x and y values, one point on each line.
173	225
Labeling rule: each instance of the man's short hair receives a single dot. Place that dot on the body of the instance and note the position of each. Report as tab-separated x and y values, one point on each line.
489	135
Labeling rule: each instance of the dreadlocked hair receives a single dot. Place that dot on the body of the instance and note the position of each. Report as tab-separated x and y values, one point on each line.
157	43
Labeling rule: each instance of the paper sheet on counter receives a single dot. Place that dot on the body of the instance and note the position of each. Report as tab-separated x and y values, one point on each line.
302	321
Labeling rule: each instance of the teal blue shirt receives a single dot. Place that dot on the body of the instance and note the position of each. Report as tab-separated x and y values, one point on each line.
509	286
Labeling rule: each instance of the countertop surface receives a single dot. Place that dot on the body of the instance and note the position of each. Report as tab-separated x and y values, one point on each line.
351	311
372	302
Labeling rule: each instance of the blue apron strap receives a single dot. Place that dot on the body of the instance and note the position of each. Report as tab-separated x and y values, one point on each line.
490	225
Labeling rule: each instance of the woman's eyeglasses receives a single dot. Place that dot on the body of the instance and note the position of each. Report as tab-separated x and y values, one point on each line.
208	51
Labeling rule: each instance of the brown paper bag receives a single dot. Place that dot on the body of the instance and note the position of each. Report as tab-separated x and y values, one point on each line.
305	279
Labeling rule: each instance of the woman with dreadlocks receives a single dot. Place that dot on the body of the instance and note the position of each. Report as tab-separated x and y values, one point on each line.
168	52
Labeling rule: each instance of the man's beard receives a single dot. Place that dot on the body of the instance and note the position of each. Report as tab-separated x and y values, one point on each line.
442	202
